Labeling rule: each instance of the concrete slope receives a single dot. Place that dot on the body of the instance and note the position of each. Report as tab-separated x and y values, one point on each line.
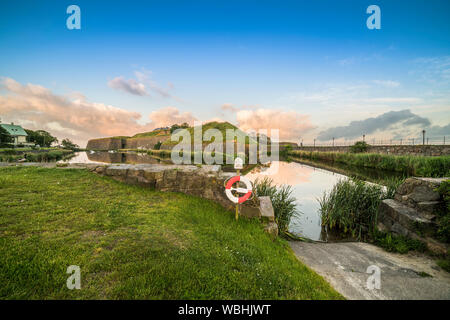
344	266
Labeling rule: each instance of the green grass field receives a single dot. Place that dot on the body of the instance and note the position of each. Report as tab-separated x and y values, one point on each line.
135	243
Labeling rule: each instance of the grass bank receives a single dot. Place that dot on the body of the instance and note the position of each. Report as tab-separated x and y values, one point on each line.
43	155
411	165
135	243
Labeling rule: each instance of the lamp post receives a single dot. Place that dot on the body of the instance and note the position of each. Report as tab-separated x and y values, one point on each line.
364	137
333	141
423	136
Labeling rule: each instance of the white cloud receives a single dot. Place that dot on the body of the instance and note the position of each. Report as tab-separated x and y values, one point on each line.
291	124
387	83
74	117
130	86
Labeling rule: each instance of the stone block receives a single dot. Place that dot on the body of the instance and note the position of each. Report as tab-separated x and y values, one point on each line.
265	205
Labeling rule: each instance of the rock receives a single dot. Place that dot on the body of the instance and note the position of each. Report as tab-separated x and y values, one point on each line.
429	209
272	229
267	213
424	193
414	190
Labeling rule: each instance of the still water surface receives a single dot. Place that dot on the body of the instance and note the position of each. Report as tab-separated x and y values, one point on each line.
308	183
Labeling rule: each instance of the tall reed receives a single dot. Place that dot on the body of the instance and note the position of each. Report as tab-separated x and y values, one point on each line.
351	207
284	204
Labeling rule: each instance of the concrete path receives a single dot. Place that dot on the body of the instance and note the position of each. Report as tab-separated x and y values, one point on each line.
344	266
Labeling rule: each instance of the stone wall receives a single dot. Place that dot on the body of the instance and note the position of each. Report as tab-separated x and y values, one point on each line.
124	143
106	144
418	150
203	181
144	142
412	212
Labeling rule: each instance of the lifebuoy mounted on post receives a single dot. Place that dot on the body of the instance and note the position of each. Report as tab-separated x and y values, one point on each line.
247	190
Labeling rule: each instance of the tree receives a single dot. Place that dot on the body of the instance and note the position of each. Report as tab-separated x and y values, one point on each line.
67	144
359	146
4	136
40	137
177	126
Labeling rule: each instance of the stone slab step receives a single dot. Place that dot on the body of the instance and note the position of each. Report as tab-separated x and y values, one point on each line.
399	218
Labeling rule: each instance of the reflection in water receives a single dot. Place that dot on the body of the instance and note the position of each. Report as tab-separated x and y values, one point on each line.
113	157
308	184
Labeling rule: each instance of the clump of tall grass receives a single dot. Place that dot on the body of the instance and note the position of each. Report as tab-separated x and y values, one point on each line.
284	204
351	207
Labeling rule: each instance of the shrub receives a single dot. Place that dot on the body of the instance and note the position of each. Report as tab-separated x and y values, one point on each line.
9	152
67	144
399	244
443	219
284	204
157	145
359	146
444	264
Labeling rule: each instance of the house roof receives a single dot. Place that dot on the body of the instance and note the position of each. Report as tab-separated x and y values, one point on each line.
13	130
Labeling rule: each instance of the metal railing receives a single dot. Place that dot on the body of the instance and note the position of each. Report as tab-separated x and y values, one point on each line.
443	140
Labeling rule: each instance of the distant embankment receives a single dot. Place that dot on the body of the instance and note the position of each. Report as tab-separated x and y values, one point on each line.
106	144
418	150
116	143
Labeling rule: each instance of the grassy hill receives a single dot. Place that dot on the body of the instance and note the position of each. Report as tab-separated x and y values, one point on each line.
221	126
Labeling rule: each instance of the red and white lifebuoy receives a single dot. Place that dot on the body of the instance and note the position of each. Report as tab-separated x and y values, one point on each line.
247	190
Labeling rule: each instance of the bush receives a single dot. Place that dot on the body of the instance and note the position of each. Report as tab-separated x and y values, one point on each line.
359	146
284	204
351	207
157	146
67	144
399	244
443	218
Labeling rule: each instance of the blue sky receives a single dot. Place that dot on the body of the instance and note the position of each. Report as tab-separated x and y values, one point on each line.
312	61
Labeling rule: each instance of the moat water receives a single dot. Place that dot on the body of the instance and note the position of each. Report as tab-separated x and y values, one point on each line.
308	182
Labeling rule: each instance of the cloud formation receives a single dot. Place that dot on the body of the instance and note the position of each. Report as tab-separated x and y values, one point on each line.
229	107
291	124
74	117
143	86
371	125
130	86
171	115
387	83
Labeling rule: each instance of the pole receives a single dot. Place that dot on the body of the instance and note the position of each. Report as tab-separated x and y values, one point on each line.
423	137
237	204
